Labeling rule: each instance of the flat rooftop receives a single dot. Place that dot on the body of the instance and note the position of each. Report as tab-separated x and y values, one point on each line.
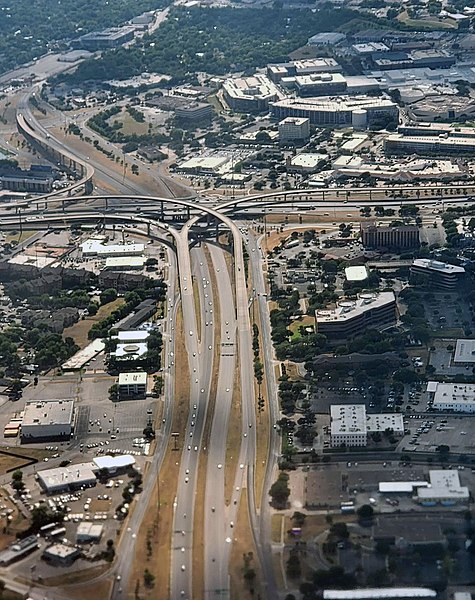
348	418
453	393
329	104
348	309
132	378
72	474
134	335
357	273
464	351
437	266
384	421
48	412
253	87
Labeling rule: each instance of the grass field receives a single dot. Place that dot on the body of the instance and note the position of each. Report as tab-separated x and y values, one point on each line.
294	327
130	125
79	330
15	235
424	23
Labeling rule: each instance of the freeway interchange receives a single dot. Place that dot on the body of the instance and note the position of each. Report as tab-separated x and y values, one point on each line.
212	294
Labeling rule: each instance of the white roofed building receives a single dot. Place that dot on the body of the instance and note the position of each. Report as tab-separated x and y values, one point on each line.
67	478
132	385
94	247
47	419
439	274
444	489
387	593
350	425
456	397
465	352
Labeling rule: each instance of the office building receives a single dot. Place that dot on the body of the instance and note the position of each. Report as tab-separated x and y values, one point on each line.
389	238
464	353
195	111
320	84
350	425
353	317
308	66
444	489
103	40
250	94
294	129
327	38
132	385
439	274
47	420
433	145
452	397
359	111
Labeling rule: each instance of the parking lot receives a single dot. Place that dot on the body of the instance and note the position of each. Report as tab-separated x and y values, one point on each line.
430	431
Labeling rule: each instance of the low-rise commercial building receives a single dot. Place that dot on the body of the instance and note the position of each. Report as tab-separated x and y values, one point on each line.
89	532
308	66
47	420
132	385
61	554
464	353
444	488
402	144
72	477
438	274
356	274
453	397
358	111
380	237
388	593
306	162
124	263
96	247
351	317
327	38
102	40
114	464
250	94
294	129
350	425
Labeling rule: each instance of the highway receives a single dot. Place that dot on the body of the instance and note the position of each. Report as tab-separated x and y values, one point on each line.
229	296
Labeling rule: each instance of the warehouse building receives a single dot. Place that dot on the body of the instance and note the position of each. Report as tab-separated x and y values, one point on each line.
132	385
453	397
350	425
351	317
345	111
72	477
18	550
250	94
439	274
389	238
47	420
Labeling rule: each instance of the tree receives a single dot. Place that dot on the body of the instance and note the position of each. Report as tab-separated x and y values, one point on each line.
114	392
280	491
340	530
108	295
299	518
17	481
365	512
293	568
148	579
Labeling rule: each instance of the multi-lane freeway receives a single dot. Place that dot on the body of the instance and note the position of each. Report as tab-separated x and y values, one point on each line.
214	302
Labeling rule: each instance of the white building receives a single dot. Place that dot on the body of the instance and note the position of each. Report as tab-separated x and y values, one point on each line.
388	593
344	111
112	464
250	94
132	385
444	488
294	129
95	247
306	162
89	532
68	478
457	397
124	263
465	352
357	273
47	419
350	425
132	336
440	274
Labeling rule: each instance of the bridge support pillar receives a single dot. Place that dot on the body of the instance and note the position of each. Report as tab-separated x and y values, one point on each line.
162	214
148	228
